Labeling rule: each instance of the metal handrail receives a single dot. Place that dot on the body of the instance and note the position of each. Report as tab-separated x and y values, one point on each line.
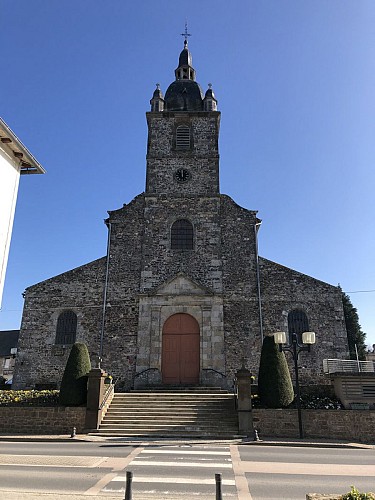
107	393
215	371
139	374
235	393
347	366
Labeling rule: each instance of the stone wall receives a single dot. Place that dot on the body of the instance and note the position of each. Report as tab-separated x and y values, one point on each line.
346	425
39	360
240	289
201	160
42	420
283	290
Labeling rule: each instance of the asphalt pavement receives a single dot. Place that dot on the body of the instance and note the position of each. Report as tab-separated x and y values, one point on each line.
239	462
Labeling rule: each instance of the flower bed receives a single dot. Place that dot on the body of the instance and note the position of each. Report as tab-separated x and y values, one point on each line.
29	398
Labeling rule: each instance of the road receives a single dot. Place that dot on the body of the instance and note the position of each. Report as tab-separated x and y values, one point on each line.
289	473
182	470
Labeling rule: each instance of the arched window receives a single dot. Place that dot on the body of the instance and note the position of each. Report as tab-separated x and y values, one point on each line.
183	137
297	323
182	235
66	328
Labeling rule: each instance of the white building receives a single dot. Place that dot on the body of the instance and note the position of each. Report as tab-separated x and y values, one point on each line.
15	160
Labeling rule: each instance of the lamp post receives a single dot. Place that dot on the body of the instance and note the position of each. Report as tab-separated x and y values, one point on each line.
295	347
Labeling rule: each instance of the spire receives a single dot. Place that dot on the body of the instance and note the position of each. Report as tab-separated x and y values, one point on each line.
157	101
210	101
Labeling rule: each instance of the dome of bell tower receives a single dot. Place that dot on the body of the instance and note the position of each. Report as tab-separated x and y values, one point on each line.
184	94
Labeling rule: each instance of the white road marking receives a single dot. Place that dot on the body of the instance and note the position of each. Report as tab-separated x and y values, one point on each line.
117	465
308	469
179	464
177	480
186	452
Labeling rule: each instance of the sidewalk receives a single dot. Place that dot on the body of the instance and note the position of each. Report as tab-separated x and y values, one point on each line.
19	495
313	443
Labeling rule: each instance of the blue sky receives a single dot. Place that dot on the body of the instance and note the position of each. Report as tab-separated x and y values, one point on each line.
295	84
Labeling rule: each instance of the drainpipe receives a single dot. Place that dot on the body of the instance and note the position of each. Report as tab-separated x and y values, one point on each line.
109	226
256	227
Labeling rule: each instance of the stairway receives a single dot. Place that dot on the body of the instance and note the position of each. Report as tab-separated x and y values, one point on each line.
174	412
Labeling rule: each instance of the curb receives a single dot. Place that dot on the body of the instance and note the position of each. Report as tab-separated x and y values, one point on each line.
83	438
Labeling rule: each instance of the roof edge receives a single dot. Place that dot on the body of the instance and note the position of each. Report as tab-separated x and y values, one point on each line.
9	134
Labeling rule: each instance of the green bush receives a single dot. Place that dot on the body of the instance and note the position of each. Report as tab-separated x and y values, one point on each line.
315	402
275	387
354	494
73	390
29	398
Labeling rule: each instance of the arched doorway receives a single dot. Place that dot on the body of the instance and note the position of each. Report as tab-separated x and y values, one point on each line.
180	352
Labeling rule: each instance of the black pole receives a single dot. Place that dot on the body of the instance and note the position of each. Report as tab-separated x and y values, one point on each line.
298	393
128	487
219	494
105	290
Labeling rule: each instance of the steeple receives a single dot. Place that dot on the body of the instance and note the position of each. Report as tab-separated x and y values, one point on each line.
157	101
209	101
183	136
184	94
185	70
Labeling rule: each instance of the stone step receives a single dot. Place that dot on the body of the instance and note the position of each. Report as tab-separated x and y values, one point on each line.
166	430
187	390
173	395
154	412
171	404
172	413
211	403
163	425
169	434
170	420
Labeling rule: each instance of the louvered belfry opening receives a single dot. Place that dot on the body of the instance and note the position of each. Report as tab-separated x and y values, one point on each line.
183	137
182	235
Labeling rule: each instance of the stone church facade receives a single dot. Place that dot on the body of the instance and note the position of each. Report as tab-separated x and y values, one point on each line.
182	296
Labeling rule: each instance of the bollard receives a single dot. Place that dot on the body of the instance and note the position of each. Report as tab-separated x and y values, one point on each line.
219	494
128	487
256	437
73	434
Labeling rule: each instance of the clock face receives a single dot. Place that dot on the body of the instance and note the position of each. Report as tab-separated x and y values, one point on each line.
182	175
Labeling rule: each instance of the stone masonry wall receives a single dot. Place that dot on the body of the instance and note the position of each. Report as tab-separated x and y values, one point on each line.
43	420
38	359
202	159
347	425
283	290
241	306
126	261
161	263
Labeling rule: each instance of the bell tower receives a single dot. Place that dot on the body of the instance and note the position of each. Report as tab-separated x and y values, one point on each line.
183	134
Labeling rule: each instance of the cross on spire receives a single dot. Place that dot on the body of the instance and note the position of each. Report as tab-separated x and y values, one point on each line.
186	34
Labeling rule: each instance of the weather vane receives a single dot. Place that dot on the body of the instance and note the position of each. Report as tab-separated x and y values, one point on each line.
186	34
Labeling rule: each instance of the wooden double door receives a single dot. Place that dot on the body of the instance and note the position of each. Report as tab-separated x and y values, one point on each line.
180	350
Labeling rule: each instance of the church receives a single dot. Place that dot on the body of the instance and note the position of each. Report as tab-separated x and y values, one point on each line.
182	296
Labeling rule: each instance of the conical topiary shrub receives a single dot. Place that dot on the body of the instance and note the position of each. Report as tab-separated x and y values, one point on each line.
275	388
73	390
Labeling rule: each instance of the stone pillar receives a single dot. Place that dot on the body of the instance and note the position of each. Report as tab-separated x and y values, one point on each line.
245	415
95	393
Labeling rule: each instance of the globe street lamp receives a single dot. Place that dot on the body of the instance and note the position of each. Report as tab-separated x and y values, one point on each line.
295	347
